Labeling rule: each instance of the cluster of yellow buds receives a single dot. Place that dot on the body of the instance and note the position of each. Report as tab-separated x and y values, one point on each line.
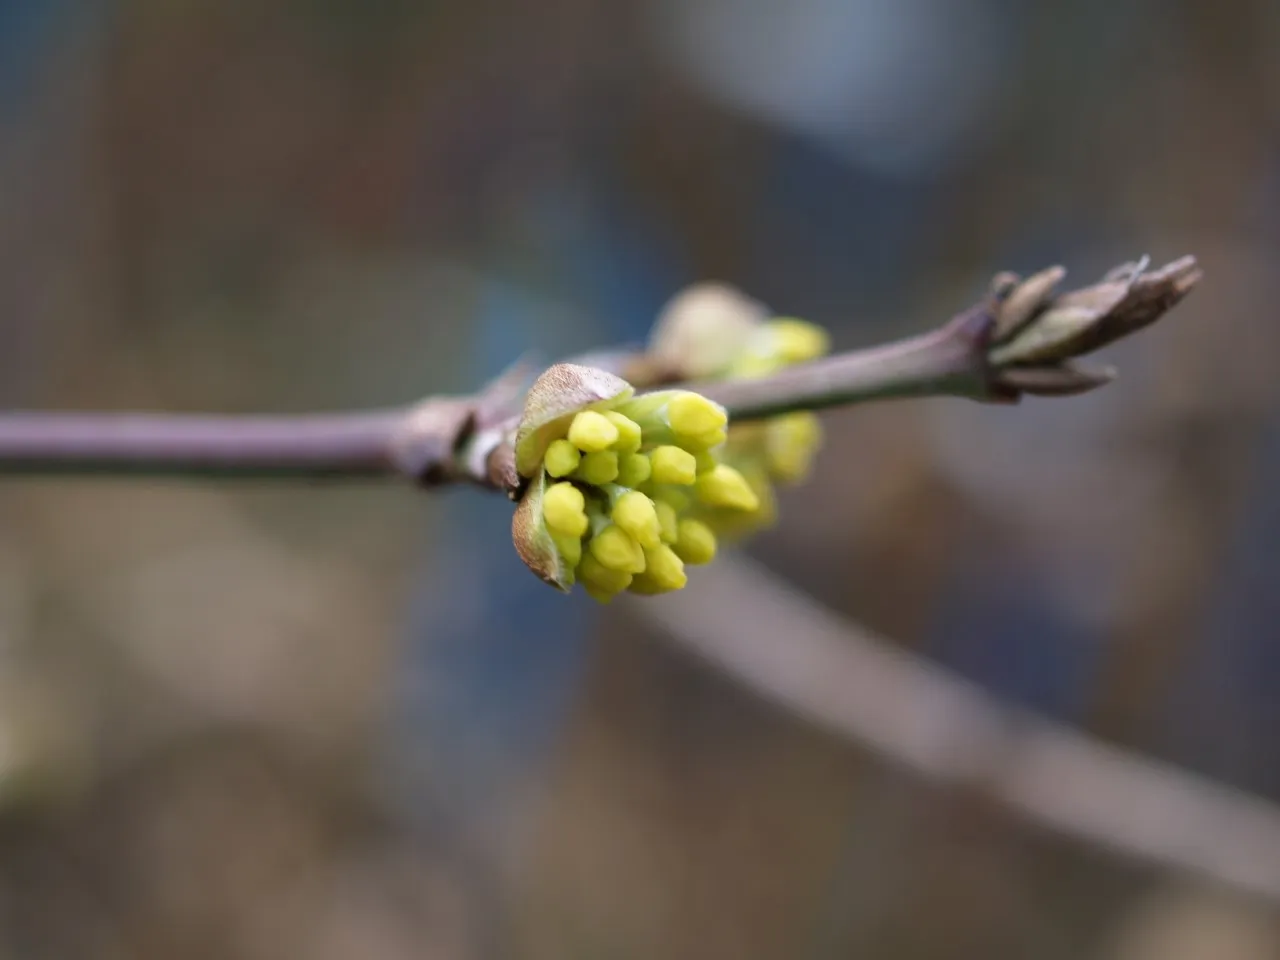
615	482
712	332
779	450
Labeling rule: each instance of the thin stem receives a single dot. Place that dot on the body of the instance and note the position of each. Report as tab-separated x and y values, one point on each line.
949	361
420	442
343	444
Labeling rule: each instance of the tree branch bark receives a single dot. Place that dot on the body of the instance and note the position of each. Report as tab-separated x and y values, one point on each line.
805	659
1020	339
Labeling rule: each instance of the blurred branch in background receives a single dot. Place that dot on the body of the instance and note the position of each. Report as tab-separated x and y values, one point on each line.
796	654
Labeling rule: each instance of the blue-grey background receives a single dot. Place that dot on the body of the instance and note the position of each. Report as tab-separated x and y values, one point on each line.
266	721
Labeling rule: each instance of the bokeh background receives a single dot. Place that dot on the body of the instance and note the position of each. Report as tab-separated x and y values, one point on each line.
262	721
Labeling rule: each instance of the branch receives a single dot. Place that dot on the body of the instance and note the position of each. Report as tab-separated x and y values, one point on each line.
803	658
351	445
950	361
1020	339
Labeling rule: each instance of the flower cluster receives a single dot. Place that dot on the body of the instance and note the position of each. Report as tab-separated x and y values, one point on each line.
779	450
621	492
616	484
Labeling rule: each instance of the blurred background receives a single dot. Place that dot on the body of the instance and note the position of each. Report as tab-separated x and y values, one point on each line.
260	721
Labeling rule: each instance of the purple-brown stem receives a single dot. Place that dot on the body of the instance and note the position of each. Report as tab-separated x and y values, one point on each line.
949	361
342	444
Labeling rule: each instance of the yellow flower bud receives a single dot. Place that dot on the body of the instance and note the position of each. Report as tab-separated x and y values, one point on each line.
598	593
564	509
695	544
796	341
646	585
678	499
635	513
692	415
598	468
646	409
791	442
599	581
726	487
753	365
592	432
569	547
629	433
705	441
633	469
673	465
668	521
617	550
664	569
706	461
562	458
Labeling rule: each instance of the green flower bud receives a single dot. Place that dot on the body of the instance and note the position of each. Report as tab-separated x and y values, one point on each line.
616	549
702	329
668	521
562	458
678	499
691	414
565	509
636	514
634	469
673	465
629	434
726	487
598	468
569	548
664	569
794	341
791	441
695	543
601	582
592	432
705	441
